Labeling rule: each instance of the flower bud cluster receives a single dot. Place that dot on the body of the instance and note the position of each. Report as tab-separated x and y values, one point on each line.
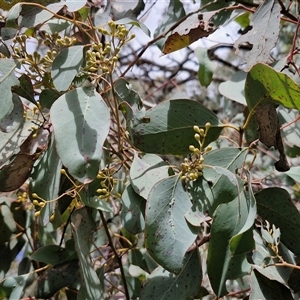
107	183
192	167
102	58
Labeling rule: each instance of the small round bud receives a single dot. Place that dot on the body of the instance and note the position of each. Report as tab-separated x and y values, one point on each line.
196	128
197	137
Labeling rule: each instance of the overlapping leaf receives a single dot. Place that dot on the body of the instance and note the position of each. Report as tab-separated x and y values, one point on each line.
169	129
146	171
263	35
66	66
83	226
275	205
7	80
163	285
231	239
168	235
81	123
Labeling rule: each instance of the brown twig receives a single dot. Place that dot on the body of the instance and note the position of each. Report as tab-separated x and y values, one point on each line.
119	259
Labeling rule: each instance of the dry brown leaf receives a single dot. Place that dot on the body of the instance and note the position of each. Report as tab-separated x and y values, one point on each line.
189	31
269	132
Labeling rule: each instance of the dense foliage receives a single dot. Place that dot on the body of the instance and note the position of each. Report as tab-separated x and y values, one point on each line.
113	188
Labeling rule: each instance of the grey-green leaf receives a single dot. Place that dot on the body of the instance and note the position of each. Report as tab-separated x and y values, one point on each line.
264	288
146	171
229	221
7	80
163	285
132	212
168	235
66	66
276	206
264	34
169	129
83	227
14	120
81	122
206	67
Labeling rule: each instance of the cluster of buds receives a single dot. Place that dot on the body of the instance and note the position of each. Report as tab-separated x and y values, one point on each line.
38	204
99	59
55	43
22	197
107	184
102	58
192	167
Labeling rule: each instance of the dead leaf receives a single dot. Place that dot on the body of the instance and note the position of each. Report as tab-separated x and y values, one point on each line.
189	31
13	175
263	35
267	120
269	132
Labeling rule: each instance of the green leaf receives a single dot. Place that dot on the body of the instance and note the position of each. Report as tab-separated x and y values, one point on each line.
25	89
4	48
37	16
168	235
135	22
14	120
7	80
55	25
81	122
263	35
294	281
132	211
45	180
238	244
263	259
57	277
131	104
74	5
243	20
47	98
230	231
147	171
141	258
294	173
163	285
218	183
97	203
264	83
83	226
7	224
53	255
170	127
11	141
14	286
276	206
66	66
233	89
206	66
12	15
264	288
6	259
121	9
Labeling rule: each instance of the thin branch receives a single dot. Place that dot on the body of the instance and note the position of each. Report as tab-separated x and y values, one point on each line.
119	259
